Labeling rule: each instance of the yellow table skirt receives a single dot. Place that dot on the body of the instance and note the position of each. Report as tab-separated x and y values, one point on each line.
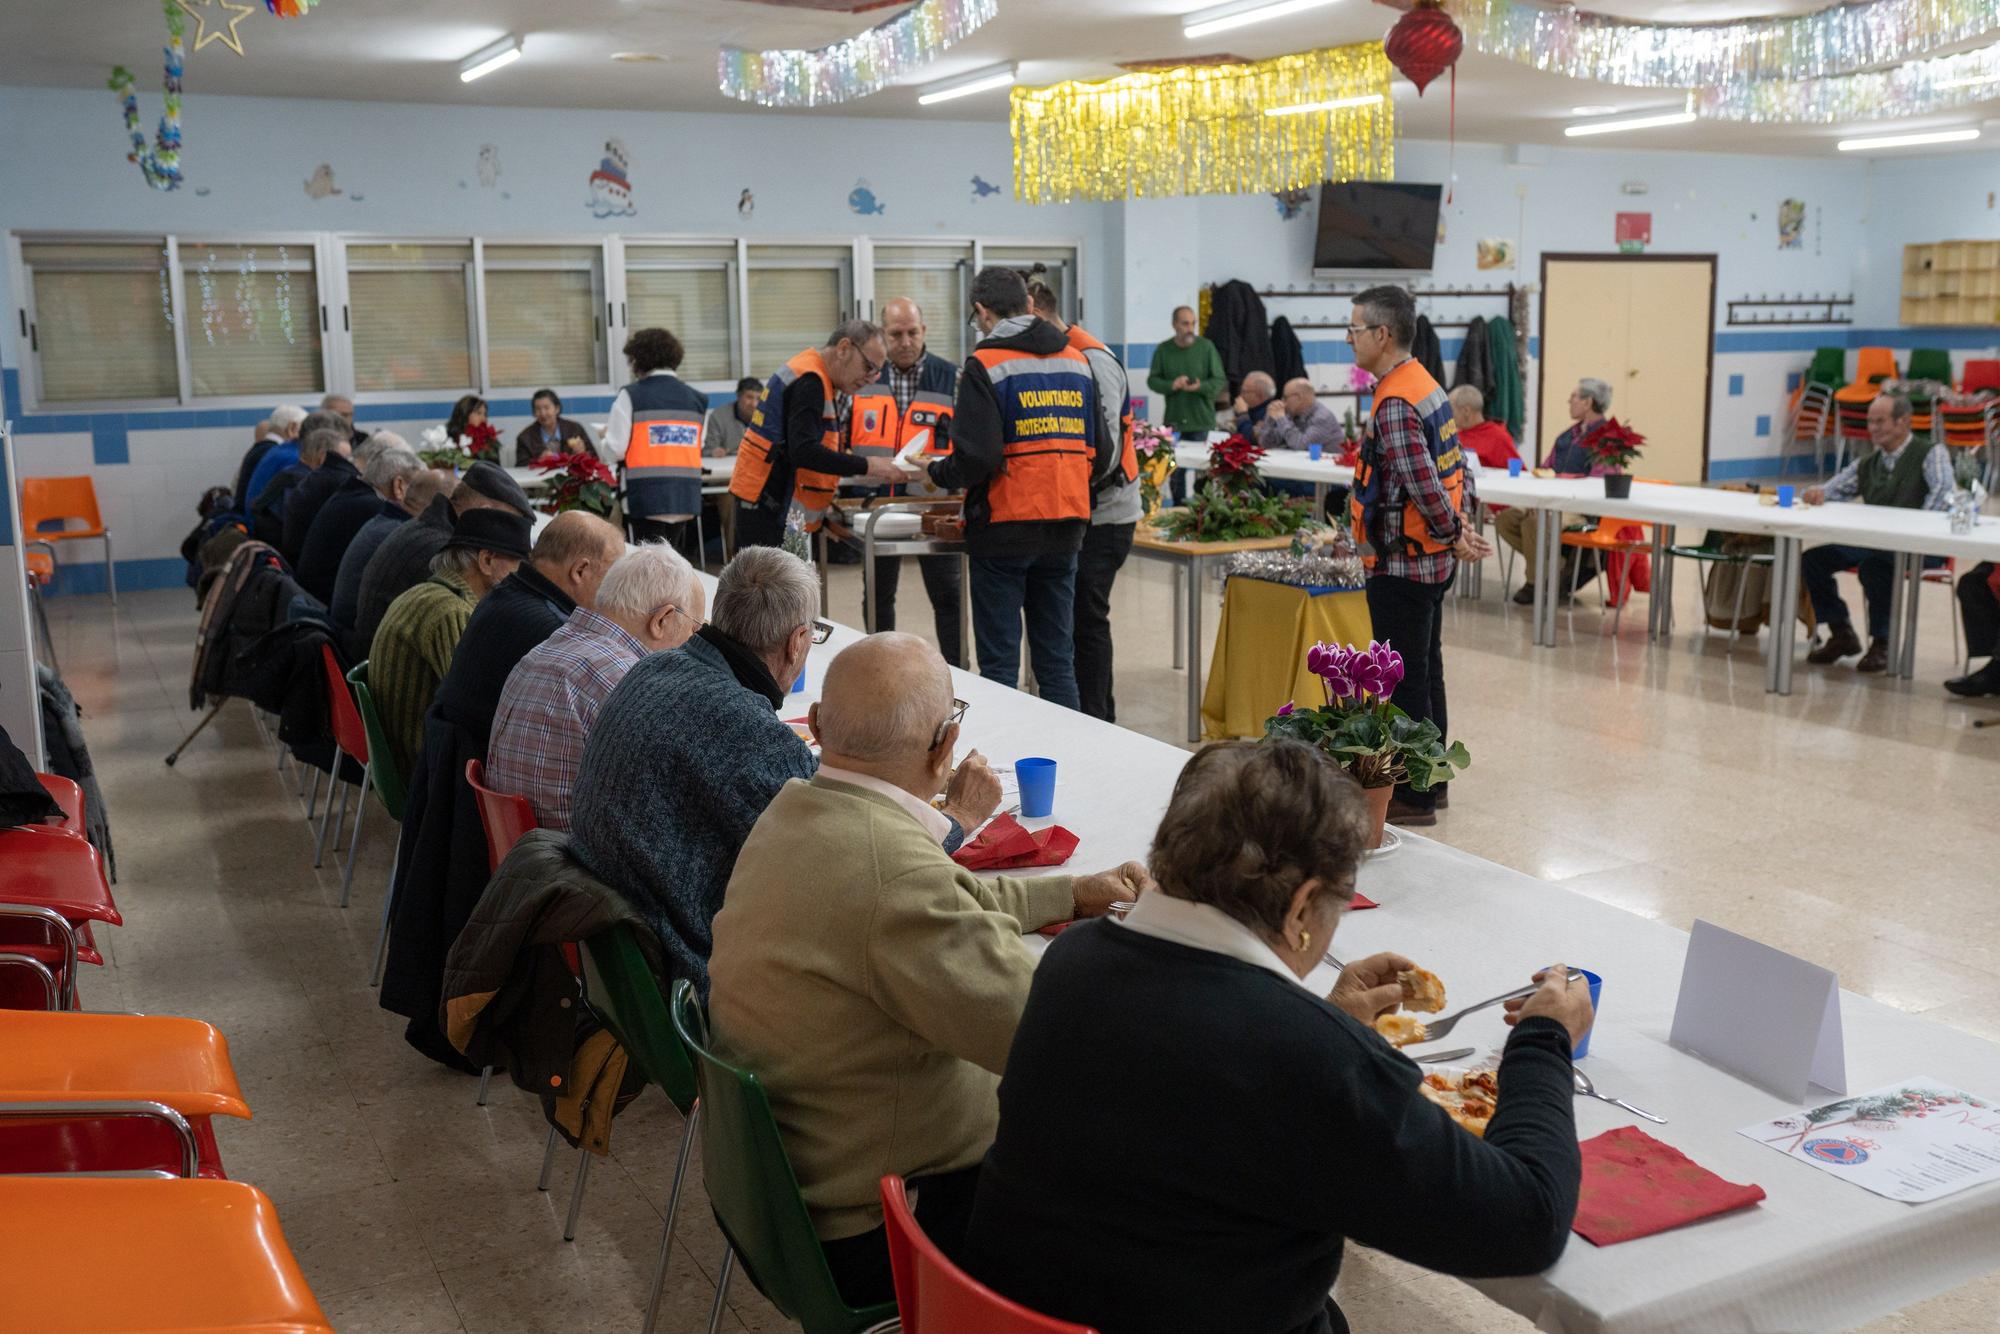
1260	651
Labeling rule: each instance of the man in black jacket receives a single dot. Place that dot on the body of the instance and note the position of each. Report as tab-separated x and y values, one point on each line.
267	508
377	489
330	457
404	559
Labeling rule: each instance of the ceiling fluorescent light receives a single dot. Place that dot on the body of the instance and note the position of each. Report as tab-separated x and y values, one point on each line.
1593	111
482	63
983	81
1224	17
1908	140
1366	100
1629	123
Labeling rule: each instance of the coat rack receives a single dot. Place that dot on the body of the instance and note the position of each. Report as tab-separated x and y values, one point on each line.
1801	309
1503	294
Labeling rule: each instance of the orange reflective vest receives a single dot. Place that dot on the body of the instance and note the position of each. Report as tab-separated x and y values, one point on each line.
663	452
764	442
1380	526
1128	457
877	429
1048	435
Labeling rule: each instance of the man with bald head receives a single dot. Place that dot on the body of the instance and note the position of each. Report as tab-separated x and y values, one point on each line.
442	865
877	996
921	385
1299	421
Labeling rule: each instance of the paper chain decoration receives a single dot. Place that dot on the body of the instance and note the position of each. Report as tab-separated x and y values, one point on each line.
160	164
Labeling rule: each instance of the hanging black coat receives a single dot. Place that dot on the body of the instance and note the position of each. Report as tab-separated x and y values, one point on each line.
285	673
69	757
441	868
1475	360
1427	350
1288	357
1237	327
23	799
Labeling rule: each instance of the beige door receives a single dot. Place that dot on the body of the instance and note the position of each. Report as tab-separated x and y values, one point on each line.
1644	325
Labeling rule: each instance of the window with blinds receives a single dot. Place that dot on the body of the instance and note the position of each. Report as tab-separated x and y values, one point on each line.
253	319
410	309
797	295
542	306
691	292
1054	265
103	325
937	279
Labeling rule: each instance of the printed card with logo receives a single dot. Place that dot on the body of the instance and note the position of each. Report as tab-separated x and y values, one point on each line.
1916	1140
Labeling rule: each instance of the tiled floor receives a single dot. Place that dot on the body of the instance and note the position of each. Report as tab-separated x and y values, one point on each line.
1850	822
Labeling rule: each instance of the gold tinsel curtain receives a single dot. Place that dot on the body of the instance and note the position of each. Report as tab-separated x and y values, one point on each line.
1201	129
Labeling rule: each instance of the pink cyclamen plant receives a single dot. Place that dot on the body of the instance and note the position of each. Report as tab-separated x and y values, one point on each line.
1356	674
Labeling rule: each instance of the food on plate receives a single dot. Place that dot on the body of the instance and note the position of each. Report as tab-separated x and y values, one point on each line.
1467	1096
1422	990
1401	1029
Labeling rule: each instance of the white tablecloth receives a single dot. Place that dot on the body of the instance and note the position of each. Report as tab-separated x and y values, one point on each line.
1817	1254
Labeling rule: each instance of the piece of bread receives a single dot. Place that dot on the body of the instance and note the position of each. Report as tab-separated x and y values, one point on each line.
1400	1029
1422	990
1468	1097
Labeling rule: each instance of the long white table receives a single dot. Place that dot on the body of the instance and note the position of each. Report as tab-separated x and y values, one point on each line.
1818	1254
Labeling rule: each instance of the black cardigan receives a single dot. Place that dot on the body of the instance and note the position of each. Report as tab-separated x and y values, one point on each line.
1186	1139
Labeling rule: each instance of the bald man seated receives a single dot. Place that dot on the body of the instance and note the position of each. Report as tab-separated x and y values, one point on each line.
1300	421
1488	440
871	982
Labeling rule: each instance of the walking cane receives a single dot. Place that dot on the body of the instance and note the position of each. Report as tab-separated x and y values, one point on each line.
188	740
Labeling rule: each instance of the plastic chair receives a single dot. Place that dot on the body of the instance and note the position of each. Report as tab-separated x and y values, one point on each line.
1624	539
621	990
755	1194
387	781
504	818
67	795
1981	373
59	500
350	737
935	1296
1711	555
108	1076
41	567
29	982
48	868
90	1256
1872	365
1927	363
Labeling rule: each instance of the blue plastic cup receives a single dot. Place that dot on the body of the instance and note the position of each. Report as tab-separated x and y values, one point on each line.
799	686
1596	987
1313	452
1037	778
1513	467
1786	492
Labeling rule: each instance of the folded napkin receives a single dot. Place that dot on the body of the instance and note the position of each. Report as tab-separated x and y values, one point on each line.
1004	844
1634	1186
1360	901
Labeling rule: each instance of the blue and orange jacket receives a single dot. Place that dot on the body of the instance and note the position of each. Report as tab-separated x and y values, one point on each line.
764	475
663	453
1379	524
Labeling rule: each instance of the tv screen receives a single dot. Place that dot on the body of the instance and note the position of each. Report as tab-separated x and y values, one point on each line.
1376	225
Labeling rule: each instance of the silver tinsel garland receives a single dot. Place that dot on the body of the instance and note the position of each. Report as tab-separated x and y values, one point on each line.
854	68
1320	567
1914	89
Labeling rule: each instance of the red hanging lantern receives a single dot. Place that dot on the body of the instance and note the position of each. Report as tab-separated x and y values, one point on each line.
1424	43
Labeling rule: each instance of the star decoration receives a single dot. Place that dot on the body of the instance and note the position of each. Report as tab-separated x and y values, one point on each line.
225	33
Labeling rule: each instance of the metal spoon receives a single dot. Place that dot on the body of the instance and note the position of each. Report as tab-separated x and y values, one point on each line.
1589	1090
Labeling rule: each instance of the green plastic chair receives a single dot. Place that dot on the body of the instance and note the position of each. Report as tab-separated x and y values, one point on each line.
389	786
1710	554
1829	367
621	990
756	1196
1930	363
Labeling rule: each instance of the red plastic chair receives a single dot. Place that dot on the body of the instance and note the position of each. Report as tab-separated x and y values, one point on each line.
350	735
68	796
1981	373
49	868
935	1296
504	816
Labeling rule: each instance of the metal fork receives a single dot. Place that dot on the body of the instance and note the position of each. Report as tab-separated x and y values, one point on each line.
1589	1090
1434	1030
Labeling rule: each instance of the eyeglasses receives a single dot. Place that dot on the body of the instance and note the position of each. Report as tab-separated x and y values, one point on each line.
957	714
1354	329
668	606
822	631
874	367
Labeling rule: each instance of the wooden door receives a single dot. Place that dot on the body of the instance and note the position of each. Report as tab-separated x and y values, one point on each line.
1644	324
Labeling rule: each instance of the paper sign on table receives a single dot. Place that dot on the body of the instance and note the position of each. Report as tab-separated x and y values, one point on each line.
1760	1013
1917	1140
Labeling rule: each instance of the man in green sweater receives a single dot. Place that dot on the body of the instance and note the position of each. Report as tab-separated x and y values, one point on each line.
870	982
1187	371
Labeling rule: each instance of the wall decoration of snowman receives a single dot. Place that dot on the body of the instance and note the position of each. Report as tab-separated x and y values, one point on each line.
610	187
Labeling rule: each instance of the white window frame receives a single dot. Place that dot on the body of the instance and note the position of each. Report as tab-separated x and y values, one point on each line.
1074	311
607	354
339	242
739	296
962	248
313	241
849	302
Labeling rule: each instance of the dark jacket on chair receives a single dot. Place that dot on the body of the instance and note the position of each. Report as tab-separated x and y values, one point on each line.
1288	355
1237	327
510	998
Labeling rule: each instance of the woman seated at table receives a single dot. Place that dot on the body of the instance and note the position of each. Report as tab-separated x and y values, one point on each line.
1567	457
1188	1133
468	412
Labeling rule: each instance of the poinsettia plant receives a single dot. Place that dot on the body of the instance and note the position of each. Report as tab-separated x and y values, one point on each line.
1231	504
482	440
1356	724
1153	446
581	481
1613	444
438	452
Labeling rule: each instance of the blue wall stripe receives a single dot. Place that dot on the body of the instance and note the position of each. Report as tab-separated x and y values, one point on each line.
107	439
79	574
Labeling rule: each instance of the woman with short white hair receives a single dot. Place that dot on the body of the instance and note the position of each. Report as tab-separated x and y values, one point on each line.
1588	403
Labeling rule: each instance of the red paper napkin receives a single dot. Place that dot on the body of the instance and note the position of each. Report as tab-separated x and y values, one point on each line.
1004	844
1360	901
1634	1186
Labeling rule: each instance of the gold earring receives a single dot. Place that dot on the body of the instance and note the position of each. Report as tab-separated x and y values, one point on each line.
1305	940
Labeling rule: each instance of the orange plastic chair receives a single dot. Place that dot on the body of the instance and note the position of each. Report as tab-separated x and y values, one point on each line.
935	1296
60	500
504	817
1622	542
68	796
91	1256
79	1061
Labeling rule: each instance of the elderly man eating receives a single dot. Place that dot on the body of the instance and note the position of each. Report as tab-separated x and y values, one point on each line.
871	982
649	601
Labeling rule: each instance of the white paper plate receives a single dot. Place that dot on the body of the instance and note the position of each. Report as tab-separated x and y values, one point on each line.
1391	841
891	527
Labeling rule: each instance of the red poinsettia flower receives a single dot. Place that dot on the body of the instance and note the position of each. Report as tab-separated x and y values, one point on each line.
1234	457
1613	444
485	438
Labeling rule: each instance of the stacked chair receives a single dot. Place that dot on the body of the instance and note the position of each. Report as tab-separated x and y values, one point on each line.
1932	364
1812	418
1976	425
1872	365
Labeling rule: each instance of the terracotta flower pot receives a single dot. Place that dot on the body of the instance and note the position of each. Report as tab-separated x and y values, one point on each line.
1378	812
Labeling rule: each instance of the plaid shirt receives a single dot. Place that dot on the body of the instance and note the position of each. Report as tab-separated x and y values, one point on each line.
903	383
1410	475
548	708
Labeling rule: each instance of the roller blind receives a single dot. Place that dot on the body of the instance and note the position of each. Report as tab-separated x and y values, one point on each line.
410	315
541	315
1057	262
935	277
103	322
253	322
694	305
797	295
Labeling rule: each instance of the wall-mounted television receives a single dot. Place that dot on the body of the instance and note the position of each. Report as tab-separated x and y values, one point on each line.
1384	225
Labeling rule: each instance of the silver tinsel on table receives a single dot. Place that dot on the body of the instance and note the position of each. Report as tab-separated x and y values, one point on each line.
1325	567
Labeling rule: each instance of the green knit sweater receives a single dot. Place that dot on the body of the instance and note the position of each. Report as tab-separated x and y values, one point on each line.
411	653
1188	409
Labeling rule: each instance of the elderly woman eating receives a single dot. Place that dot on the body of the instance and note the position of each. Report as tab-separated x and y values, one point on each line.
1188	1134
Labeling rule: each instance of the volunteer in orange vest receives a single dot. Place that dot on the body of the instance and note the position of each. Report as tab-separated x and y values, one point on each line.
1114	512
1411	493
912	400
1025	446
653	436
795	450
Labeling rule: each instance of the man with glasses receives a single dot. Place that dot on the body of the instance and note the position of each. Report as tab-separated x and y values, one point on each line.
1408	504
650	601
796	448
871	982
690	748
